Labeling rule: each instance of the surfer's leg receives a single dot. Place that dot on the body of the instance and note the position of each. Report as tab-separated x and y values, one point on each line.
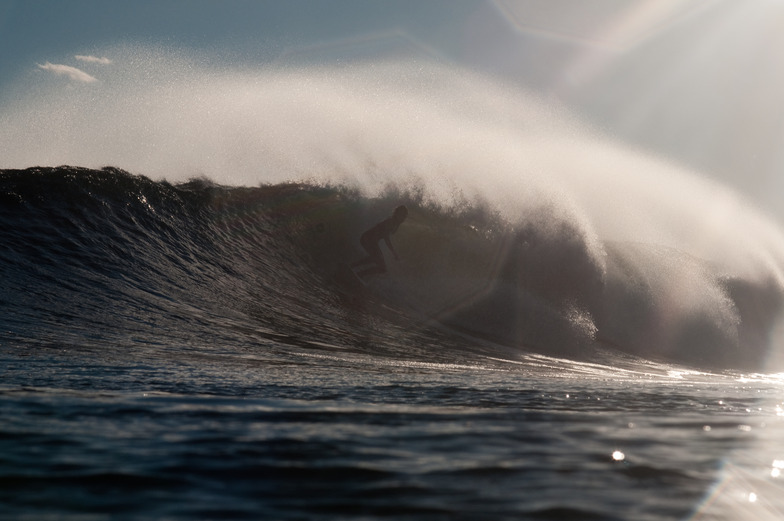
373	253
376	258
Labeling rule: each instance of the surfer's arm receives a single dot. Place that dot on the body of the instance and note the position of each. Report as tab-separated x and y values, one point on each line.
391	248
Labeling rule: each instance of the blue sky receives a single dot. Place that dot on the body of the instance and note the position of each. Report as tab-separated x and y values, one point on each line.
39	29
698	82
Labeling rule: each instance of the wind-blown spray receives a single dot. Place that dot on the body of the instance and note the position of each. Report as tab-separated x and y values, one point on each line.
635	252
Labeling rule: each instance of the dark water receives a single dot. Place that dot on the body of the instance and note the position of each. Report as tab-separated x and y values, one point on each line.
184	352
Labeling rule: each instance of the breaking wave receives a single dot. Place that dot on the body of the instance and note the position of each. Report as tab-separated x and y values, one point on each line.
109	260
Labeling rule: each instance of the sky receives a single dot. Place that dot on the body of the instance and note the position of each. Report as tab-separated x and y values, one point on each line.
696	82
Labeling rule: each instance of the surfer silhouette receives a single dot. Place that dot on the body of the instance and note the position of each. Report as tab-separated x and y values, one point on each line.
370	242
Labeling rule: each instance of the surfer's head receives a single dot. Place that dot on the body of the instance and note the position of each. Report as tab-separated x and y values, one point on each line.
401	212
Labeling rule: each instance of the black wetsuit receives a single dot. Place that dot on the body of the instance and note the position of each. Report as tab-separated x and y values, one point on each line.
370	239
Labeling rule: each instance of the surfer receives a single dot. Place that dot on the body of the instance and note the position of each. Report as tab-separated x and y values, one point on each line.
370	239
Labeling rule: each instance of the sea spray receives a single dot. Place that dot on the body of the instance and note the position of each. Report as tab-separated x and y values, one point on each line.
167	115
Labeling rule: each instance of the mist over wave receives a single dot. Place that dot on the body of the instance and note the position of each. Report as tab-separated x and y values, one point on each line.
602	241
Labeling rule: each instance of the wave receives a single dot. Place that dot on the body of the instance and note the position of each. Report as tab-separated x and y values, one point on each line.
104	259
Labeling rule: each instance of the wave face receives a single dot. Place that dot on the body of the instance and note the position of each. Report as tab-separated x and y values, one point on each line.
107	260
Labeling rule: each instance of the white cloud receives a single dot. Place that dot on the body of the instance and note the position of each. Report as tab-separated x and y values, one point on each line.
93	59
66	70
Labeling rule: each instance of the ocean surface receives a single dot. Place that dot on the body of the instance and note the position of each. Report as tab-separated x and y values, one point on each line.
186	351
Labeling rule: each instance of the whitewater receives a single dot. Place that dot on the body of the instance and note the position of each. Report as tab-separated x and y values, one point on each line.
577	329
